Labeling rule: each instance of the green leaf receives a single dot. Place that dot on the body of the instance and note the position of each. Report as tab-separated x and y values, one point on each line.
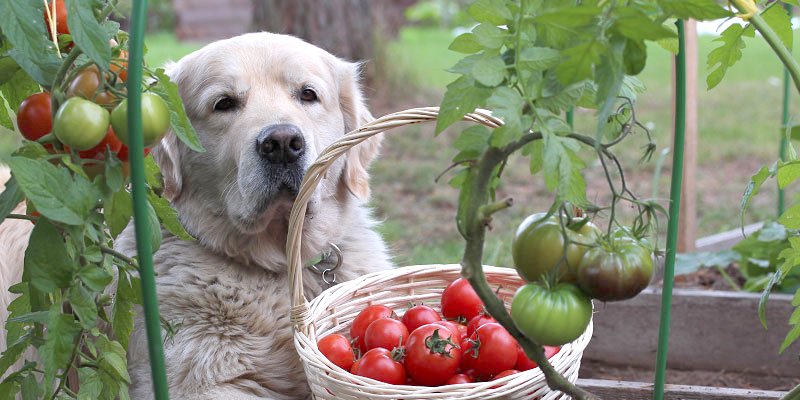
178	120
464	195
791	217
54	191
58	345
579	62
122	312
466	43
14	351
634	56
561	26
19	87
562	169
472	142
117	364
23	25
609	75
534	149
117	211
155	228
91	385
152	173
36	316
490	11
10	197
462	97
489	71
506	103
30	388
752	189
94	277
47	264
83	305
87	33
538	58
113	170
728	53
788	173
8	67
8	389
780	21
635	24
489	36
793	334
697	9
168	216
558	98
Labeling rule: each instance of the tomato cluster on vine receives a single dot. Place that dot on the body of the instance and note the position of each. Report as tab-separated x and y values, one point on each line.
422	347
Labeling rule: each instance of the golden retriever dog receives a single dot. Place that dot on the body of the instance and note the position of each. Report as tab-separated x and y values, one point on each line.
264	106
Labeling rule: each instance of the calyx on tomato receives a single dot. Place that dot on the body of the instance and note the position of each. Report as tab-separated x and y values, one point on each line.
437	345
616	269
538	247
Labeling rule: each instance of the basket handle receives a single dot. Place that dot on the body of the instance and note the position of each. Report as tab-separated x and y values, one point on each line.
316	172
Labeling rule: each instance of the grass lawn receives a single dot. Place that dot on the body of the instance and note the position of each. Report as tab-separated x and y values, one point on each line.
164	46
738	132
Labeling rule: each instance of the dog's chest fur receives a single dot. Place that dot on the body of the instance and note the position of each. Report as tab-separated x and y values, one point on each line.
233	323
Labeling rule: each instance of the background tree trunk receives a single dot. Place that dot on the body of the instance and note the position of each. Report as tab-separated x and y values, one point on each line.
351	29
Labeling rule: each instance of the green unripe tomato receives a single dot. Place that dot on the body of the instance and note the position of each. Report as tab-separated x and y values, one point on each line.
155	120
80	124
551	316
616	270
538	247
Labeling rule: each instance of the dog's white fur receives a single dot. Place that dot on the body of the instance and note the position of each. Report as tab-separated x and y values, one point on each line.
229	289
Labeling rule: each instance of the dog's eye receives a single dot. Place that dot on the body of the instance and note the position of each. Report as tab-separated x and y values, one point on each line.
226	104
308	95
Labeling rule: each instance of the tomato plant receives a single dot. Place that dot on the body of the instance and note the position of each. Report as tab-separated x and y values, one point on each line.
387	333
34	116
543	243
85	83
551	316
380	364
459	301
616	269
337	349
432	355
419	315
155	119
80	124
489	350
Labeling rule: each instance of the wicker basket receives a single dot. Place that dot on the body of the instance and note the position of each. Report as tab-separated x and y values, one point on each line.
334	309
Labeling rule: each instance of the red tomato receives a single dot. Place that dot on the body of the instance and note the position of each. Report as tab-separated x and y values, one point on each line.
480	319
459	301
432	355
35	116
98	152
524	363
490	350
336	348
123	153
458	378
419	315
363	319
455	327
378	364
61	17
503	375
387	333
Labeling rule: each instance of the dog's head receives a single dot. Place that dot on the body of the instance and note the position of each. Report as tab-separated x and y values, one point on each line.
264	106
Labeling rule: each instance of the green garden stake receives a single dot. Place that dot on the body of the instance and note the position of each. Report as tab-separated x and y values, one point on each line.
136	154
784	125
674	210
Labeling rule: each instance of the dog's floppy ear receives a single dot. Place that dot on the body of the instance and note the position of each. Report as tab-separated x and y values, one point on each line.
356	114
167	153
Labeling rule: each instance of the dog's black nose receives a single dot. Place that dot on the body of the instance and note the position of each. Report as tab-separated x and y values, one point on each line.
281	144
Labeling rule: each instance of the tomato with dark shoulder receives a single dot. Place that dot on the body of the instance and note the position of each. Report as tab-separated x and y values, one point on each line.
459	301
489	350
387	333
362	321
432	355
616	269
380	365
85	83
34	116
80	124
524	363
155	119
551	316
336	348
539	247
419	315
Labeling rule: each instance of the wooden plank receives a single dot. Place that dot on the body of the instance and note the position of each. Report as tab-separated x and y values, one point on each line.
725	240
622	390
687	220
709	330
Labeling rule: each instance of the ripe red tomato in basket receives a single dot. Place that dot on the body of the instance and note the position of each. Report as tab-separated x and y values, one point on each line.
524	363
387	333
459	301
490	350
478	321
432	355
503	375
419	315
459	378
336	348
378	364
459	329
362	321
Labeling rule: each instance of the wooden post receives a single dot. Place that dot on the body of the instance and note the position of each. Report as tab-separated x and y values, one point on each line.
687	221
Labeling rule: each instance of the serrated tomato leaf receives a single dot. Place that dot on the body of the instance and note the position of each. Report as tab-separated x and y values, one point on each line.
462	97
47	263
87	33
168	216
178	120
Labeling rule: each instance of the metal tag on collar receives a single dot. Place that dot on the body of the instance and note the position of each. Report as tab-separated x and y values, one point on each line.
328	274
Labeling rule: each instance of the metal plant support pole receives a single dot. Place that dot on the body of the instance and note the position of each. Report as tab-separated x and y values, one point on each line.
784	124
136	154
674	209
